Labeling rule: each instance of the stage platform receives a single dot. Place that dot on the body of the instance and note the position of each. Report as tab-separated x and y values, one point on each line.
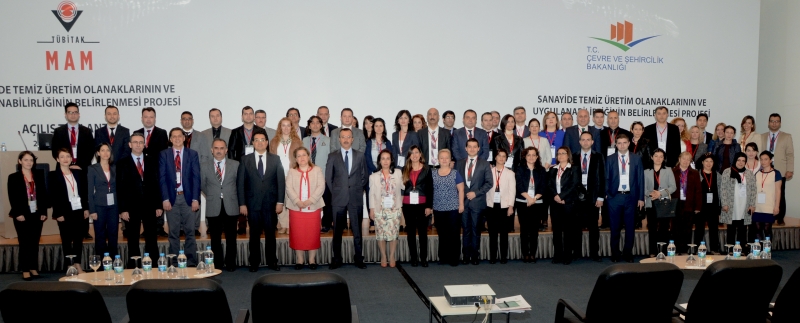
51	257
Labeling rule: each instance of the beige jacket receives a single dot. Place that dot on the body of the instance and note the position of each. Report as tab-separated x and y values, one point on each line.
316	181
376	189
508	188
784	151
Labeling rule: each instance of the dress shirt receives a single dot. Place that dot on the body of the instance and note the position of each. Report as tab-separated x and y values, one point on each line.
770	145
138	159
348	154
520	130
474	160
263	160
221	164
433	149
626	184
662	137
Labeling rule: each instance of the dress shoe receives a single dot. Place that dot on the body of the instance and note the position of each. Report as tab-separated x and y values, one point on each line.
492	261
324	230
532	260
253	269
162	233
568	261
312	266
476	262
414	264
88	237
780	222
503	261
424	263
298	266
361	265
465	261
274	267
334	265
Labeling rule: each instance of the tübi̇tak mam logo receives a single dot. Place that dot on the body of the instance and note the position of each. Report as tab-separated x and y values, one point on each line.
603	57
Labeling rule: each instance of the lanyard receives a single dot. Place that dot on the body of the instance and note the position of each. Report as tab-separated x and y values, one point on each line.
510	144
764	177
742	176
304	177
553	140
499	174
624	163
31	186
661	132
692	150
635	145
534	143
533	182
285	148
72	182
108	178
708	181
561	172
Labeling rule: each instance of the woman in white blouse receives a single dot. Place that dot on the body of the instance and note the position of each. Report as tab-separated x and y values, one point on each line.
386	201
283	144
534	140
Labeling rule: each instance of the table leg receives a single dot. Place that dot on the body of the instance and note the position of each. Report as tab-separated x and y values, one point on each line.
508	317
430	313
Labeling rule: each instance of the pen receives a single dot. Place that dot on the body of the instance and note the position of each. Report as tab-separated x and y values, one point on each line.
504	302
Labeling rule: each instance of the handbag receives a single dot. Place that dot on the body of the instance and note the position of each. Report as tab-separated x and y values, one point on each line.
665	208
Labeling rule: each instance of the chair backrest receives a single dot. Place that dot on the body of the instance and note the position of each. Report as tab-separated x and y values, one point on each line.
734	291
308	297
51	302
635	293
178	300
786	309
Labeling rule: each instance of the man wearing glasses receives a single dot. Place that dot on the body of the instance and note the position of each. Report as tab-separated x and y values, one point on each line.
781	146
294	115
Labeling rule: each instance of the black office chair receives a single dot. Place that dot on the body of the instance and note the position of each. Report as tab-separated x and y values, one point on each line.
311	297
629	293
733	291
51	302
178	300
786	309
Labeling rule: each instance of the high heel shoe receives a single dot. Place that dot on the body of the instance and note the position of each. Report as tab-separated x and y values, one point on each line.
35	274
26	276
392	263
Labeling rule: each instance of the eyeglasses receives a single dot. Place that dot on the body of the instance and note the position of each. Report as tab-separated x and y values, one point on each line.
187	119
73	112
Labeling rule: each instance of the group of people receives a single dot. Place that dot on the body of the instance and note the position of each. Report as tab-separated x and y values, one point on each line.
314	178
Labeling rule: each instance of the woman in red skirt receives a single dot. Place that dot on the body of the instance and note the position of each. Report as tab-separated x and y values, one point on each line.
305	184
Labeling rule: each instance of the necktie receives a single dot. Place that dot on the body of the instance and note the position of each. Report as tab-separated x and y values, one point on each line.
585	164
469	170
470	134
772	144
111	136
147	142
139	167
260	166
313	149
624	165
73	138
433	157
188	141
216	132
489	133
178	166
219	173
347	161
583	130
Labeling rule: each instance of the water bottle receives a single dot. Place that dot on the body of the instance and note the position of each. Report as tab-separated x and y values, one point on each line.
162	266
147	266
701	253
671	251
3	147
209	260
766	253
107	266
756	249
737	250
118	270
182	266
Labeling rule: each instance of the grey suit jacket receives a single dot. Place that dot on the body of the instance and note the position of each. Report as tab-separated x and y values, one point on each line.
98	186
202	144
259	193
482	182
666	184
323	150
212	188
270	132
359	143
346	188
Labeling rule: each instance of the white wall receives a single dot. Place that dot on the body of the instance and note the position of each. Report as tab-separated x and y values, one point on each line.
778	77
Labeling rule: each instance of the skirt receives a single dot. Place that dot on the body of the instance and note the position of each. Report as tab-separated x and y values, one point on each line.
763	217
305	230
387	223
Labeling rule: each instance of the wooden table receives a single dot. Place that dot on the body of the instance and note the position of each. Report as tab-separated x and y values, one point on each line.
127	280
680	261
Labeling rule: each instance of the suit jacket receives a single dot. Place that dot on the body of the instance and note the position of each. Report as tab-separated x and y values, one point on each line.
323	147
459	143
523	178
204	141
411	139
666	186
371	168
212	188
190	175
346	188
261	193
596	180
442	141
500	141
605	139
784	151
673	142
271	133
237	142
316	180
17	189
423	185
376	189
694	193
570	182
59	194
120	147
635	176
329	130
508	188
709	136
85	144
572	138
701	150
526	132
98	186
136	193
481	181
642	150
159	140
720	152
359	142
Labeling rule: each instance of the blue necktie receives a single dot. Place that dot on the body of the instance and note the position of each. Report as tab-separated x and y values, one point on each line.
260	166
347	161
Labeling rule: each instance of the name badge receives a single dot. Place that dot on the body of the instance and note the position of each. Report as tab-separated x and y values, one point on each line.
611	150
76	203
692	164
683	195
32	205
662	145
510	162
762	198
553	151
490	156
742	190
110	199
709	198
178	178
623	179
531	192
249	149
401	161
413	198
497	197
388	202
584	179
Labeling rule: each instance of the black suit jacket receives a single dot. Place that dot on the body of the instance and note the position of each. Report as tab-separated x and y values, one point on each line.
442	141
159	140
523	177
596	179
59	194
500	141
135	193
18	194
238	141
572	137
85	144
423	185
605	139
259	193
346	188
570	182
120	147
673	142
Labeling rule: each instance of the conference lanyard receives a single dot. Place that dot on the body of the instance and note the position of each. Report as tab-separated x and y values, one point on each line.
708	181
661	133
304	177
108	178
560	173
31	186
72	183
387	181
510	144
553	140
763	178
534	143
499	174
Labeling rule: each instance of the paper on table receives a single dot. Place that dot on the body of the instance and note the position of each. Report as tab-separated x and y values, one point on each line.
521	307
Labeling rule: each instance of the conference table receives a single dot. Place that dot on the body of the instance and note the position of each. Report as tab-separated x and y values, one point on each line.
87	277
680	261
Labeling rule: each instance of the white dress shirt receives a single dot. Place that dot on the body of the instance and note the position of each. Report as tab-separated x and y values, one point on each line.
349	154
624	181
263	160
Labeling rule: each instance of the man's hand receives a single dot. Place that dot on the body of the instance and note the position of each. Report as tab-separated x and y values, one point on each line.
43	218
21	218
243	210
195	205
789	176
86	214
510	211
641	205
598	204
125	216
428	212
167	207
93	215
557	199
159	212
279	209
60	219
471	195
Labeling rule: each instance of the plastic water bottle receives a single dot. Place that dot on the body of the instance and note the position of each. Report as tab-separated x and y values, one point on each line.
182	266
162	266
701	253
118	270
209	260
3	147
671	251
767	252
107	266
147	266
737	250
756	249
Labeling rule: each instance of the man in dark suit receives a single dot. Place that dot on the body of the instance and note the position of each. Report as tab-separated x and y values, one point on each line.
702	122
218	180
346	174
591	194
478	177
260	185
187	124
114	134
433	138
624	194
469	131
294	115
665	136
179	177
241	144
487	124
520	125
449	121
607	147
572	135
155	141
139	196
324	113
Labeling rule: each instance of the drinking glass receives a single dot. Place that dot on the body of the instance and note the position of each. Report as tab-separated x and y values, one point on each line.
137	273
172	272
94	263
661	257
201	264
72	272
691	261
728	255
750	255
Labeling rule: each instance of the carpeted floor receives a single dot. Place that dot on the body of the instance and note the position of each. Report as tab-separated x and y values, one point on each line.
385	295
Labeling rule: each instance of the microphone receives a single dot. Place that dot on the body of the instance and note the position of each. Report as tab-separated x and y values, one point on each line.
23	140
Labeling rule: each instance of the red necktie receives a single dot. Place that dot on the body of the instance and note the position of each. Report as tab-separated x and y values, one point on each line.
73	141
177	164
147	143
139	167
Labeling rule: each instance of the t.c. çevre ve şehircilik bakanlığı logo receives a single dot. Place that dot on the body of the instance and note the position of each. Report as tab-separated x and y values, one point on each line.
623	33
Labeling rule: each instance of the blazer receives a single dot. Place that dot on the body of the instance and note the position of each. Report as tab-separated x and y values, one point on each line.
753	137
316	180
673	142
423	185
572	138
666	186
17	189
694	198
783	154
120	147
323	147
204	140
59	195
570	181
99	187
544	149
271	133
159	140
481	182
190	175
595	188
238	141
459	143
642	150
727	191
525	132
708	137
605	139
257	192
85	144
719	151
359	142
138	193
346	188
376	190
508	188
371	168
212	188
327	132
500	141
635	176
490	136
412	139
523	175
701	150
442	141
